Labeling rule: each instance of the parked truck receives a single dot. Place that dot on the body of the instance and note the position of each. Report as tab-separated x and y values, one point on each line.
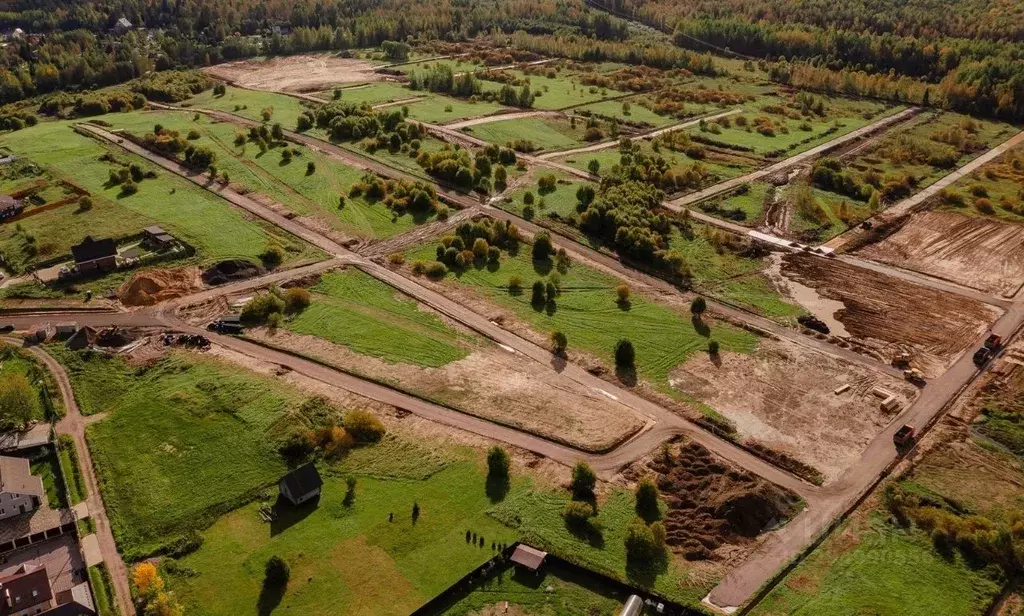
904	436
993	343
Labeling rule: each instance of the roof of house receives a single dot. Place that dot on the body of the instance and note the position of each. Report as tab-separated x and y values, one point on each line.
154	230
16	476
76	601
91	250
72	608
28	586
531	558
303	480
124	23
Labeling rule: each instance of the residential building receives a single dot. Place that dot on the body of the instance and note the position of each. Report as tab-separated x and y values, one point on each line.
10	207
20	490
301	485
25	592
95	255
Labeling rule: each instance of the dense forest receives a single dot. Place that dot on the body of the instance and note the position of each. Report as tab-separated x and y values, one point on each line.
969	59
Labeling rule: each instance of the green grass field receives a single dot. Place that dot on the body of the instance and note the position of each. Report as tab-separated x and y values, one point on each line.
561	201
637	112
999	182
557	590
348	559
184	209
103	590
458	65
751	202
588	313
439	109
67	456
250	104
46	465
559	92
720	168
352	309
537	516
290	184
185	441
871	567
372	94
545	133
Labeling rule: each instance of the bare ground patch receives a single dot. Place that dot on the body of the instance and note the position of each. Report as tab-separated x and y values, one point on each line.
783	396
980	253
492	384
886	313
302	73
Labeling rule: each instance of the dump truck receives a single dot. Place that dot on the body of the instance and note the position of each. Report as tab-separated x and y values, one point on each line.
993	343
981	356
914	376
904	436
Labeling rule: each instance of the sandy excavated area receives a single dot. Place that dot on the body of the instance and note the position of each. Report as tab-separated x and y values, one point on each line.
159	285
307	73
980	253
492	384
783	396
887	314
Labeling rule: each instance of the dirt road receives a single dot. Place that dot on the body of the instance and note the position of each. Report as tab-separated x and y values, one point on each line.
678	204
924	195
74	424
604	145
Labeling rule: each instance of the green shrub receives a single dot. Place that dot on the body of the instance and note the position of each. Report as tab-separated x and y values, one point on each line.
276	572
364	426
584	479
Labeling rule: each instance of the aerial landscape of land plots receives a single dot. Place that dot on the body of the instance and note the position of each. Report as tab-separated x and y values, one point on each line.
511	309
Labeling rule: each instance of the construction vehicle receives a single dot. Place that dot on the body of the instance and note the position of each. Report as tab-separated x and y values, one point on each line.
992	345
914	376
904	436
813	323
901	359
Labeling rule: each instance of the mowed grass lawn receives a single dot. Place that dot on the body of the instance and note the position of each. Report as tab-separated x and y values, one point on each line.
355	310
559	92
251	103
545	133
208	223
871	567
187	440
587	312
347	559
373	93
291	184
438	109
556	589
637	113
561	201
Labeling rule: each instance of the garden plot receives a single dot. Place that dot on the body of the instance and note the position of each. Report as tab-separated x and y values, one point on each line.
285	185
558	92
364	326
782	395
981	253
300	73
543	133
886	314
252	104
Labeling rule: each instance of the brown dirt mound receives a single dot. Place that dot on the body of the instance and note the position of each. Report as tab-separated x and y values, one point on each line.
155	286
711	504
231	271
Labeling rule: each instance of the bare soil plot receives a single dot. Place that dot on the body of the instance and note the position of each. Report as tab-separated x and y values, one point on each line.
712	507
982	253
886	313
783	396
303	73
492	384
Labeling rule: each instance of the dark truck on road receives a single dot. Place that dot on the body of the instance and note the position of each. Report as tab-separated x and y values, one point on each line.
903	437
993	343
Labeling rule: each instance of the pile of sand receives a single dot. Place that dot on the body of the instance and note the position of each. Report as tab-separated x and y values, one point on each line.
155	286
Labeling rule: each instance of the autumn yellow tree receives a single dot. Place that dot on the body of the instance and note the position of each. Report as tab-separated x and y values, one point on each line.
148	582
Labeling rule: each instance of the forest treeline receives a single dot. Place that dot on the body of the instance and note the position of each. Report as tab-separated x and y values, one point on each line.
968	60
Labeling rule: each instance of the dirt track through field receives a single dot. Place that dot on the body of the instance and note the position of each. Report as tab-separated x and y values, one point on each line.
980	253
886	312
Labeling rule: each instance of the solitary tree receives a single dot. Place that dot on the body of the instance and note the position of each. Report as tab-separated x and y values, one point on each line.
622	292
594	166
542	247
276	572
647	499
415	512
498	463
698	306
713	347
625	355
18	401
559	342
583	480
538	297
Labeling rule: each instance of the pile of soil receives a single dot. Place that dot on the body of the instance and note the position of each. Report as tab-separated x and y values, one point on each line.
155	286
711	504
230	271
115	337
